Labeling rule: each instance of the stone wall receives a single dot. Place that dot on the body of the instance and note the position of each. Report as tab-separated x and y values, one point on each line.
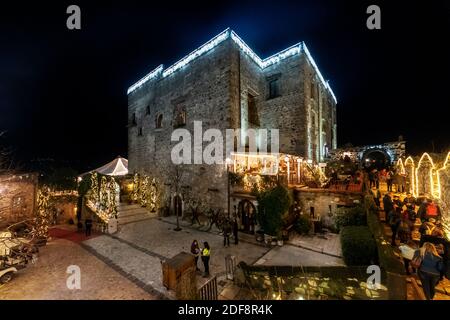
214	88
325	202
394	150
17	198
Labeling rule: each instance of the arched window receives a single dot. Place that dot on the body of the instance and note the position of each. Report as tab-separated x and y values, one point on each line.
159	119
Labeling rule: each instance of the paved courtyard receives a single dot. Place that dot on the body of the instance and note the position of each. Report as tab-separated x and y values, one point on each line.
139	248
46	279
289	255
131	260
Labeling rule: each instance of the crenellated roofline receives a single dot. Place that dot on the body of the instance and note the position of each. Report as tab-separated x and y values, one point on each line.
298	48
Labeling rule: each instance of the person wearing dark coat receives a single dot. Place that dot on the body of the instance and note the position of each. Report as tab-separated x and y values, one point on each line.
394	219
195	250
235	231
226	234
388	205
430	269
88	226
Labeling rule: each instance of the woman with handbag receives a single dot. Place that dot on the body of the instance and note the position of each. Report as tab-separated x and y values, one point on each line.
430	265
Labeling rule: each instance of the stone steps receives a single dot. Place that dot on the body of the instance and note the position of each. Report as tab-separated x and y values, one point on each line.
132	213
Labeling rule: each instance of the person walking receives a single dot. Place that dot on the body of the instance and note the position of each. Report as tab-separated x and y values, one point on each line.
195	250
206	254
235	231
394	222
88	226
376	177
430	268
226	234
389	180
371	179
408	250
388	205
404	230
409	201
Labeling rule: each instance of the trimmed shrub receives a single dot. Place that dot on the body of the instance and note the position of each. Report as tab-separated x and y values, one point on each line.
354	216
272	204
303	224
387	258
358	246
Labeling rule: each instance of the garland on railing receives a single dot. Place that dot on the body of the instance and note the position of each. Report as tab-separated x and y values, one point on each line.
104	197
136	189
112	203
94	188
153	197
144	191
102	201
43	213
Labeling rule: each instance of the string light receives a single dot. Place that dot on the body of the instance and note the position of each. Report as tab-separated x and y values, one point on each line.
159	72
400	164
423	158
411	174
438	172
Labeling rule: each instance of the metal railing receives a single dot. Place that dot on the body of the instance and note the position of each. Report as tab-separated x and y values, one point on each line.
209	290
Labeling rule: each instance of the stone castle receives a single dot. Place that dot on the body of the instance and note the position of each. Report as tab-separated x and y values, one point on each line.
226	85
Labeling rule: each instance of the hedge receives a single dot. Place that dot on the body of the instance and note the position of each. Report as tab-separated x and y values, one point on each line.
354	216
387	257
358	246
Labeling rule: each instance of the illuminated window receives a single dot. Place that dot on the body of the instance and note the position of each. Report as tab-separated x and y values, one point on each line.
159	119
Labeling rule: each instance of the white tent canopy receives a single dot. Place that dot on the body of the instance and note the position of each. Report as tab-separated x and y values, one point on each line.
117	167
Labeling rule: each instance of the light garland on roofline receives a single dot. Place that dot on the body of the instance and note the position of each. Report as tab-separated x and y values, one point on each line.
433	175
434	180
410	162
423	158
159	72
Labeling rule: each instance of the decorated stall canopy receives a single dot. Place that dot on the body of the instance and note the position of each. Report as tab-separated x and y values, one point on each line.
117	167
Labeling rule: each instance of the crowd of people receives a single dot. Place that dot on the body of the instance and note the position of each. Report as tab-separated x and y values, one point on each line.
417	225
392	178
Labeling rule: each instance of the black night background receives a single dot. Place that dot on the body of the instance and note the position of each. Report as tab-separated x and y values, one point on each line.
63	93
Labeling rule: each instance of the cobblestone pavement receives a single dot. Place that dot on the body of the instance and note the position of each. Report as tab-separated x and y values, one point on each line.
328	244
46	279
289	255
138	249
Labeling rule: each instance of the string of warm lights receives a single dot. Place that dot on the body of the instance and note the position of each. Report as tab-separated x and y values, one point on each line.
143	194
401	166
102	200
433	179
409	163
422	163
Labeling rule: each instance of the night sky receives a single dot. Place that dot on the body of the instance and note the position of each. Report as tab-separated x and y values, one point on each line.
63	93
